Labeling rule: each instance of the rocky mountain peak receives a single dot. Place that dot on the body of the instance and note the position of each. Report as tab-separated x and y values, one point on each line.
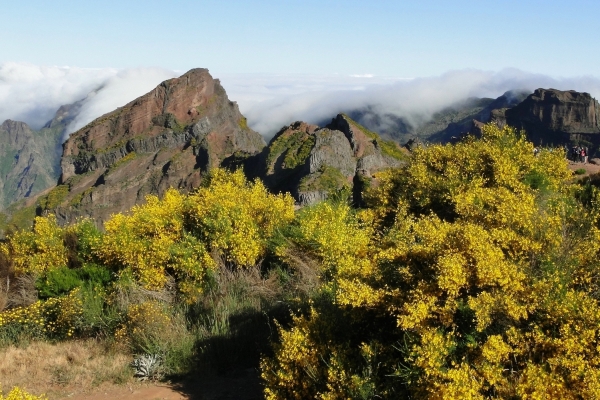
65	114
313	162
165	138
555	116
16	132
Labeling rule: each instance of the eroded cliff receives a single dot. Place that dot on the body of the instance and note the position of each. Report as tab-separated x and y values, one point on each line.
166	138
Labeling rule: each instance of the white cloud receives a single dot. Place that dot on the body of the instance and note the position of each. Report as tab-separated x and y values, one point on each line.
268	105
118	90
33	93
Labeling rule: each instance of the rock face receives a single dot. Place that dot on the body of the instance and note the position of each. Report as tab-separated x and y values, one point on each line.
29	160
166	138
371	152
551	116
312	162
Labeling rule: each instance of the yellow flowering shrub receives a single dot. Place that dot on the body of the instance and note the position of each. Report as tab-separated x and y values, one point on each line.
56	317
236	218
143	324
19	394
37	251
306	367
174	236
309	368
331	232
150	243
477	279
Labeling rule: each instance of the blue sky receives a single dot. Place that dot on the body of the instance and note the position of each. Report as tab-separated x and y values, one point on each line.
392	38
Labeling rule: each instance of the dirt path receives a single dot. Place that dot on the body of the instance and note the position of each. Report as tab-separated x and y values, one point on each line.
241	385
132	393
590	168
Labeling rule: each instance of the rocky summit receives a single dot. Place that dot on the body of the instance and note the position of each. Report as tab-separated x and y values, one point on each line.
312	162
551	116
165	138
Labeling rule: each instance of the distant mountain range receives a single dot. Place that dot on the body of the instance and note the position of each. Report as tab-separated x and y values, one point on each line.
174	134
443	125
29	158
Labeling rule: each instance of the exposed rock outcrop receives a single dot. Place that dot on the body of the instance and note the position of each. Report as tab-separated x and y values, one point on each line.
551	116
166	138
312	162
372	152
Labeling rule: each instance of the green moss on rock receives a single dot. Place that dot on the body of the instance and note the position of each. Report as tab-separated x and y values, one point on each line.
54	198
326	179
388	147
295	147
122	161
22	217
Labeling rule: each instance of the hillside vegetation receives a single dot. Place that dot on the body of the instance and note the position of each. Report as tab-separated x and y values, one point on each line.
471	272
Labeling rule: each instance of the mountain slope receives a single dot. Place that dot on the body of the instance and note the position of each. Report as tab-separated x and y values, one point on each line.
452	121
165	138
29	160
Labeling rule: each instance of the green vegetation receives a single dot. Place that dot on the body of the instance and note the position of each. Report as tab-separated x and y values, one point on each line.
327	179
579	171
174	279
54	198
169	121
7	162
76	200
296	146
470	272
243	124
391	148
298	154
62	280
21	216
388	147
122	161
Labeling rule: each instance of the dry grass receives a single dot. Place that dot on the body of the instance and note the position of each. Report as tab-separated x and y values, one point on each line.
306	268
62	368
125	296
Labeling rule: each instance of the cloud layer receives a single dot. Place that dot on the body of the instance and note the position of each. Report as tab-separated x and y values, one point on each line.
278	101
33	93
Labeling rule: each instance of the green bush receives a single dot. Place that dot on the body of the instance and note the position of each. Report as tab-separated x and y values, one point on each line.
62	280
57	282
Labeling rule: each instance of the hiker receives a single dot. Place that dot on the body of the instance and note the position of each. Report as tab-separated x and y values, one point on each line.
584	155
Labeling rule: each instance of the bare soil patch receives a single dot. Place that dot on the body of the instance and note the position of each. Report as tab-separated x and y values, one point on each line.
240	385
590	169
